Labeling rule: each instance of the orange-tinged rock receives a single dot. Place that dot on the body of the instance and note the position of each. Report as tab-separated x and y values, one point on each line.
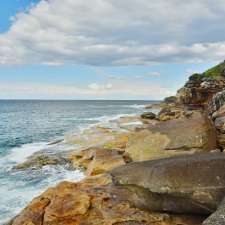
94	201
97	160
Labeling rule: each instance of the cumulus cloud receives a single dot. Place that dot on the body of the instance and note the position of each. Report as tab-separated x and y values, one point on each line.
109	32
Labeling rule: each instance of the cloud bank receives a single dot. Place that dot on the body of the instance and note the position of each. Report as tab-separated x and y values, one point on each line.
109	32
115	90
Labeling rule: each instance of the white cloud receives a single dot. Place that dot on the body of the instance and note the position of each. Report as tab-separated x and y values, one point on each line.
109	32
99	88
133	89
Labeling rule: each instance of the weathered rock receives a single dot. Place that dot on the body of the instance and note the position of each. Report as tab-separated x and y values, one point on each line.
218	217
173	137
95	201
148	115
199	89
37	161
100	136
218	100
171	112
184	184
171	99
97	160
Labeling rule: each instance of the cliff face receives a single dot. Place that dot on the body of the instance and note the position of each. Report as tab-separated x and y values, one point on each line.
200	88
180	182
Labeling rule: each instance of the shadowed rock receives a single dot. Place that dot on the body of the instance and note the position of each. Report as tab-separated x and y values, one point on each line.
186	184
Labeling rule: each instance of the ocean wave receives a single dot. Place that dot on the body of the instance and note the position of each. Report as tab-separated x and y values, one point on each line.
32	183
20	154
135	106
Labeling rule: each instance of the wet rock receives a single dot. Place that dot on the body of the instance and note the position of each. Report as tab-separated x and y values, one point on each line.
37	161
184	184
148	115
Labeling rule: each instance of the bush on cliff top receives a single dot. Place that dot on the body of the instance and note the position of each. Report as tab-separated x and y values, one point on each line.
216	71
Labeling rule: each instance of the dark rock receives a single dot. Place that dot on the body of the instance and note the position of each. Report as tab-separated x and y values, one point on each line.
171	99
185	184
148	115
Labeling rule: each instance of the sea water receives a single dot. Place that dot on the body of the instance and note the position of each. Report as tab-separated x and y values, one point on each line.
27	126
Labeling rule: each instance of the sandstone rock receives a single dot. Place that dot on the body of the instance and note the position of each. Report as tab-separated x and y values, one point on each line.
95	201
173	137
199	89
148	115
97	160
100	136
170	112
184	184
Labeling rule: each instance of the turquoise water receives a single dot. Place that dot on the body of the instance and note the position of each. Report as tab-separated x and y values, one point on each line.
27	126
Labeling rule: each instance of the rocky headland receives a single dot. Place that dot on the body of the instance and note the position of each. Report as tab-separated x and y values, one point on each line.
166	168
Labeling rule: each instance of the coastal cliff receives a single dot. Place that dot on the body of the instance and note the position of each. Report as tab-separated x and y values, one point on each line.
165	169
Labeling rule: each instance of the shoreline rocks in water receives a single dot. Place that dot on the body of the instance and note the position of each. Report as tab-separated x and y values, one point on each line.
156	169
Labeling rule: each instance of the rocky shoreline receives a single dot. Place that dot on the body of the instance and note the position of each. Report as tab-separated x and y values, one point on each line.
163	169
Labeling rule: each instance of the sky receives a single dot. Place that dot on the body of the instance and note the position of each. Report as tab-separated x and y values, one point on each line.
106	49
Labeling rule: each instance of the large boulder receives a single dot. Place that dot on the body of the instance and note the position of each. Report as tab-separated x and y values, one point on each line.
184	135
148	115
184	184
95	201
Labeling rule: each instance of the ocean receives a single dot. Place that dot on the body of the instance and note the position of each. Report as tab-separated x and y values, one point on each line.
27	126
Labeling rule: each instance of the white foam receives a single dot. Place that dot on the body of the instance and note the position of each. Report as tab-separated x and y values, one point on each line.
136	106
14	198
20	154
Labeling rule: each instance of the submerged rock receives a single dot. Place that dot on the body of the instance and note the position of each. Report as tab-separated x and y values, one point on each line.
39	160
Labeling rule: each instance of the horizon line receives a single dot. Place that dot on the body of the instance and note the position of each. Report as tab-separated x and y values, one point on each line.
37	99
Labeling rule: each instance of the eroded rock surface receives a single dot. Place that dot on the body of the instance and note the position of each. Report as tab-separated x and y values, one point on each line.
184	184
184	135
95	201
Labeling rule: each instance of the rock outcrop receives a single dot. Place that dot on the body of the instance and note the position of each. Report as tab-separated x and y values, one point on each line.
185	135
201	87
97	160
137	193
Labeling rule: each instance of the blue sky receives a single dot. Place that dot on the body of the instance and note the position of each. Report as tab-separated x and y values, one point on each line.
103	49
